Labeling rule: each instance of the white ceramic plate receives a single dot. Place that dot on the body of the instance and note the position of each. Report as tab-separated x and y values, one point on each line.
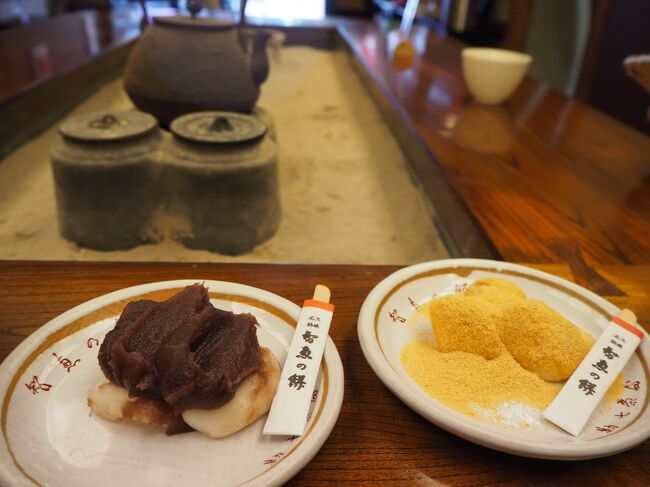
49	437
387	322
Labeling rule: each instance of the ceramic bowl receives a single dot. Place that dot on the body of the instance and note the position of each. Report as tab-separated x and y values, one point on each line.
492	75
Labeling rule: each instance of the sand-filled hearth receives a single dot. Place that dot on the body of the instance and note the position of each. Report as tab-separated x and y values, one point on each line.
347	196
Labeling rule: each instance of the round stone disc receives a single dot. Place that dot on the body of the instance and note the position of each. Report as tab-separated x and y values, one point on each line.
108	126
218	127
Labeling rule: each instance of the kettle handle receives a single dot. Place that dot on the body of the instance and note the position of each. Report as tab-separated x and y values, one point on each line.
242	11
146	20
194	7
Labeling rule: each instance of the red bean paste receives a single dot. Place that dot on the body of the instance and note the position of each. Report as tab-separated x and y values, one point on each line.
183	351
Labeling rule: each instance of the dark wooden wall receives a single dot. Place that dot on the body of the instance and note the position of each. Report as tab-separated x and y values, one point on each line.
626	31
41	49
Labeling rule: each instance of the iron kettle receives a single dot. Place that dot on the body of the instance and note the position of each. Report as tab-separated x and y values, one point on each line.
187	64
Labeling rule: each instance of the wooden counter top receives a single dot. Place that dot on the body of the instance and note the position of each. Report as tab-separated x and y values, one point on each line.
548	178
377	440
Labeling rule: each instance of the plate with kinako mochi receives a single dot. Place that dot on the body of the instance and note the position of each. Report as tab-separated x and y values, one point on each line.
480	348
160	384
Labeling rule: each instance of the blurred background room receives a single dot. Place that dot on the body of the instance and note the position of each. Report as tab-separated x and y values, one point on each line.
578	46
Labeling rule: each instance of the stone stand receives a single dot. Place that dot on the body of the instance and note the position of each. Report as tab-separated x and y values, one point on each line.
105	195
116	194
230	198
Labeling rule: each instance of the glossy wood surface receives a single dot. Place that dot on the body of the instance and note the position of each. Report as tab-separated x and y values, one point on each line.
377	439
547	177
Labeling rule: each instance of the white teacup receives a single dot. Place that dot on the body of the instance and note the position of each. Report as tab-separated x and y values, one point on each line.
492	75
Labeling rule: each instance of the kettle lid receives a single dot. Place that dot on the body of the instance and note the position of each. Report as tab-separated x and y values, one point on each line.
108	126
218	127
185	22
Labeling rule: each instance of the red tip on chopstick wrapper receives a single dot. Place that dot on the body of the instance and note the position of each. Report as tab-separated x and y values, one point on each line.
318	304
628	327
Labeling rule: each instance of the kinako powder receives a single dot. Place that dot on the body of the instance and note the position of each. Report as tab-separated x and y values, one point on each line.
493	345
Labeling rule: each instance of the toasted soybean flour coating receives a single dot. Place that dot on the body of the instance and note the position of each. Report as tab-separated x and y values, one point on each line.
489	342
542	341
461	380
461	324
